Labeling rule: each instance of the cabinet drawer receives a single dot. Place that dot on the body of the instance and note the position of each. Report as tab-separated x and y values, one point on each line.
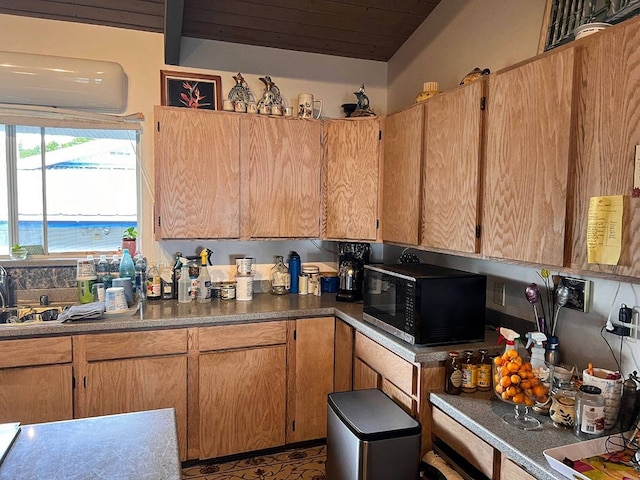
401	373
107	346
510	470
468	445
225	337
35	351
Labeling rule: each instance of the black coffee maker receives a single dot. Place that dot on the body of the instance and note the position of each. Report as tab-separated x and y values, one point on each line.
352	257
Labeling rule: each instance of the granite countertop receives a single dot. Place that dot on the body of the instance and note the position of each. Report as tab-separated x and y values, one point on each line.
263	307
482	414
140	445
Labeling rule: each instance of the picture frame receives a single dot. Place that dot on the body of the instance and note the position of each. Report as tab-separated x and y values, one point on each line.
190	90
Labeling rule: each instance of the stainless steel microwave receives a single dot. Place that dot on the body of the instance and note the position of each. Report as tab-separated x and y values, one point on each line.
426	304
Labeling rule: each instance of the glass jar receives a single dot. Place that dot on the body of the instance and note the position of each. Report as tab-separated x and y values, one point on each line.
280	279
589	422
469	372
484	371
453	374
563	404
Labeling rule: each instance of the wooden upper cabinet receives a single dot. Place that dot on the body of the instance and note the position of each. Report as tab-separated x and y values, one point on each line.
351	175
528	137
281	161
402	175
197	171
608	130
451	169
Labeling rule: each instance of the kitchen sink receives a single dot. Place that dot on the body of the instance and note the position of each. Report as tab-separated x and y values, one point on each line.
30	314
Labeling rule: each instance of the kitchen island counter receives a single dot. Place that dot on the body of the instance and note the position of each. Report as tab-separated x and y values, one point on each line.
481	413
140	445
264	307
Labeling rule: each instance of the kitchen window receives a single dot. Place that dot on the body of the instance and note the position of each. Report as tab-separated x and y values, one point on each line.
70	188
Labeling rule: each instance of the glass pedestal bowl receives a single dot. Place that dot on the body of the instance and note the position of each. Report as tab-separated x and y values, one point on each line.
516	383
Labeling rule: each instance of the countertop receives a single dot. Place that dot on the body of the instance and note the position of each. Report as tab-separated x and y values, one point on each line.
140	445
482	414
264	307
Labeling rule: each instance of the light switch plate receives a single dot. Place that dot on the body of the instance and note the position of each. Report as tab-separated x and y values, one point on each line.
499	293
579	293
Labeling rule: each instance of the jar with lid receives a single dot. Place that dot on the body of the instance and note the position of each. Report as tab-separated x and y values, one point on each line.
484	371
589	422
563	403
280	278
469	372
453	374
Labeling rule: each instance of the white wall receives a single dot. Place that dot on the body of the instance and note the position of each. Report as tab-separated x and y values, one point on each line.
458	36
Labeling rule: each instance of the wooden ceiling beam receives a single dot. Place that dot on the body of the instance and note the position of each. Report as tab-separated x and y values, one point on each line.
173	14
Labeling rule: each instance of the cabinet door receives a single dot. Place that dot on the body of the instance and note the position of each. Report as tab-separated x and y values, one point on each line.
281	161
451	168
402	175
364	376
36	394
197	169
242	398
351	168
608	131
132	385
528	126
512	471
311	378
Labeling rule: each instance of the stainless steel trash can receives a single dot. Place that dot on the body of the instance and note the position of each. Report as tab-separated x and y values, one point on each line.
369	437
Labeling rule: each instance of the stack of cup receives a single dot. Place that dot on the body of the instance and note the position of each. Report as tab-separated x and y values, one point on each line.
86	277
244	279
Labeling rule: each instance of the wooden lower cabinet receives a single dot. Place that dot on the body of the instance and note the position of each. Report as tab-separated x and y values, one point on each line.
133	371
512	471
36	388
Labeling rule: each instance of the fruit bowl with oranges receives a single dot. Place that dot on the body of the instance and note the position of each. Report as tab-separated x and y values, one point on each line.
516	382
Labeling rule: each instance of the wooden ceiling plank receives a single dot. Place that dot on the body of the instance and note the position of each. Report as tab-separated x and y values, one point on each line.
321	11
286	27
173	14
412	7
294	42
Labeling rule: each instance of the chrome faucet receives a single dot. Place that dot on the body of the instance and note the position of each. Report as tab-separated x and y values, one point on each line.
4	288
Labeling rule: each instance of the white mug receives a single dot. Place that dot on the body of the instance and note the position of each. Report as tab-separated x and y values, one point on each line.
305	106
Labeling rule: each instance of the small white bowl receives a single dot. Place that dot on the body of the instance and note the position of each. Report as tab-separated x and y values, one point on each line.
589	28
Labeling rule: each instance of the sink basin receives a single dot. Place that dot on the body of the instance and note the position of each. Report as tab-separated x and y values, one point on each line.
9	315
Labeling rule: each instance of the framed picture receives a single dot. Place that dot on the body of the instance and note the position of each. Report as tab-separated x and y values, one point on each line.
190	90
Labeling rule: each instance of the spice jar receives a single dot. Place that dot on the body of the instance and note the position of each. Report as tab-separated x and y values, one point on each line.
453	374
484	371
589	422
469	372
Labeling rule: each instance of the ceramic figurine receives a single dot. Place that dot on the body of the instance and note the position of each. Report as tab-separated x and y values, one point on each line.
271	95
362	108
240	92
474	74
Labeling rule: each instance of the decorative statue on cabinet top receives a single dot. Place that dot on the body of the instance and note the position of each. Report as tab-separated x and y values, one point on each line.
240	92
271	95
362	108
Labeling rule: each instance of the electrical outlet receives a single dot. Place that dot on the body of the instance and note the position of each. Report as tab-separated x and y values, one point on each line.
499	293
579	293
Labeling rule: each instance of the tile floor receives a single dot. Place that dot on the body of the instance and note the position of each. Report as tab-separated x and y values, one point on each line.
295	464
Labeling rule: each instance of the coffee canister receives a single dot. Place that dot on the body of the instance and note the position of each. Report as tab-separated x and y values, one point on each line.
228	291
244	287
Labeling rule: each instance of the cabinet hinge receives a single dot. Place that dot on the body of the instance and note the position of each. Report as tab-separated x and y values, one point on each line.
84	382
483	103
158	126
159	221
478	230
293	426
379	134
377	223
73	382
295	334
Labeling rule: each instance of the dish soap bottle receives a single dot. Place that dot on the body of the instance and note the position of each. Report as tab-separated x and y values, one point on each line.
204	280
280	278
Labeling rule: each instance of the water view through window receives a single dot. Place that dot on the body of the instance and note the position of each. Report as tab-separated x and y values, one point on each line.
74	189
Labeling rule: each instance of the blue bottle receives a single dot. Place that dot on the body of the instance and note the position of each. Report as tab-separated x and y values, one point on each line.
294	271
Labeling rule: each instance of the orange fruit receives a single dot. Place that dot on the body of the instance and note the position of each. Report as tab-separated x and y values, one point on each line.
505	381
515	379
511	391
504	371
512	353
528	402
534	381
518	398
513	367
497	360
505	396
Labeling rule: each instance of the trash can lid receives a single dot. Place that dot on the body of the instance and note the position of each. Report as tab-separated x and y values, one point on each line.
372	415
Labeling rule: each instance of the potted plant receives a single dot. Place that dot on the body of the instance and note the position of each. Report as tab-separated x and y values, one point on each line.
18	252
129	237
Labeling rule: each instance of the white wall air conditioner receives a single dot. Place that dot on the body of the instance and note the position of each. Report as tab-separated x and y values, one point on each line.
30	79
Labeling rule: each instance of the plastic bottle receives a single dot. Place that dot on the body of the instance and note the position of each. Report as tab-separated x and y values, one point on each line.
127	269
552	352
114	267
537	351
484	371
469	373
140	287
453	374
177	266
154	283
509	336
294	270
103	272
184	285
204	280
